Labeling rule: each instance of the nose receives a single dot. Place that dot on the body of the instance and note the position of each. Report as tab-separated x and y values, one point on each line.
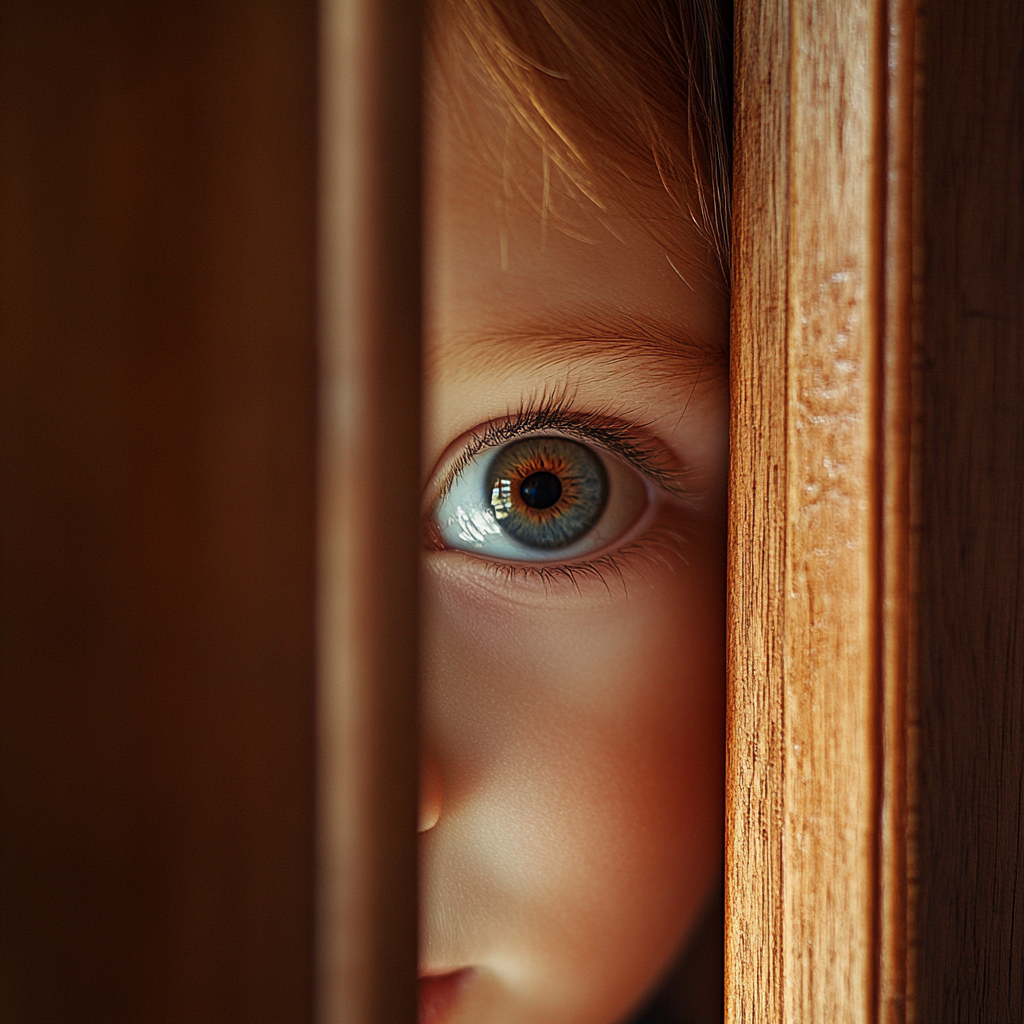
430	793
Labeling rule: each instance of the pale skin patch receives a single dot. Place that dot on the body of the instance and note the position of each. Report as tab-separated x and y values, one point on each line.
573	727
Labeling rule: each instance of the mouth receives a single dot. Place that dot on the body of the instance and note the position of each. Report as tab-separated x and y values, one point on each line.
439	994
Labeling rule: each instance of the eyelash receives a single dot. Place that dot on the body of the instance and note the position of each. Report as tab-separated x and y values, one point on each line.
599	568
630	442
557	413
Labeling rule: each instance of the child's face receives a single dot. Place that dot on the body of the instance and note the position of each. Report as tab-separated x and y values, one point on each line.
573	718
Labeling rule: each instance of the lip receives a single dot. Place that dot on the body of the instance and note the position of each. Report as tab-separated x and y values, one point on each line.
439	994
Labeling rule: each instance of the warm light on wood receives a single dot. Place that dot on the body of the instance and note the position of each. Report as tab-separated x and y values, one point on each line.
754	953
820	513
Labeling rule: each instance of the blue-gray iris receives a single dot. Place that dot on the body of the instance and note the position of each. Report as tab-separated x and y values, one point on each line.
547	492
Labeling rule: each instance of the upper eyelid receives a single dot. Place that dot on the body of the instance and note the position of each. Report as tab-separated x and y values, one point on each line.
630	442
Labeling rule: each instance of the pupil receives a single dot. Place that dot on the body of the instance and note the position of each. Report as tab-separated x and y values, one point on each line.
541	490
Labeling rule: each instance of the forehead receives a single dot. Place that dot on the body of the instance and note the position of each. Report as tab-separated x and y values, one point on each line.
515	251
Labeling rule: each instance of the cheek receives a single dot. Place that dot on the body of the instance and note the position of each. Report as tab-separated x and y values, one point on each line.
580	745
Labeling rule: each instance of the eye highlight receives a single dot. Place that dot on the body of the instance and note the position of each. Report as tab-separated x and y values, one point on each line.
538	499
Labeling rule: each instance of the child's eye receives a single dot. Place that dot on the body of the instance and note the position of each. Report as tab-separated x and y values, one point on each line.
540	498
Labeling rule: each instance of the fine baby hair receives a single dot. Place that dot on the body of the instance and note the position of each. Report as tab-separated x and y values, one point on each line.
628	102
576	331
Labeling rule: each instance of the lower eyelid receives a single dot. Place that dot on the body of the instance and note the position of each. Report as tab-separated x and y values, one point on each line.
659	545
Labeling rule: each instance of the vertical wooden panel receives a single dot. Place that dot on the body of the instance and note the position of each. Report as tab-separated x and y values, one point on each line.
156	316
369	509
970	957
754	961
830	768
820	486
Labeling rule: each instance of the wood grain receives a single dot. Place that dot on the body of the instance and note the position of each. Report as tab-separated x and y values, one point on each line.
157	394
754	952
819	570
369	533
831	768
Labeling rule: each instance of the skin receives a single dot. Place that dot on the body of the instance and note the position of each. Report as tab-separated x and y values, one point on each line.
572	797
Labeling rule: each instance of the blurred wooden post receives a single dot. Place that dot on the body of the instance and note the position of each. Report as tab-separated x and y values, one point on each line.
157	394
369	532
819	577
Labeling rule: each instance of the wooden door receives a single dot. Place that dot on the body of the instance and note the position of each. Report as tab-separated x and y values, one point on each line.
876	741
967	893
167	415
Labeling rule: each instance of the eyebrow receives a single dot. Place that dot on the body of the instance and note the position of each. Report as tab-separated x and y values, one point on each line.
645	343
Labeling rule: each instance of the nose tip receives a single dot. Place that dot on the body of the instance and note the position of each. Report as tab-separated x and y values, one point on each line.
430	794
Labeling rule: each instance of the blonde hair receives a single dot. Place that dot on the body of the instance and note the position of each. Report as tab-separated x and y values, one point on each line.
628	99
